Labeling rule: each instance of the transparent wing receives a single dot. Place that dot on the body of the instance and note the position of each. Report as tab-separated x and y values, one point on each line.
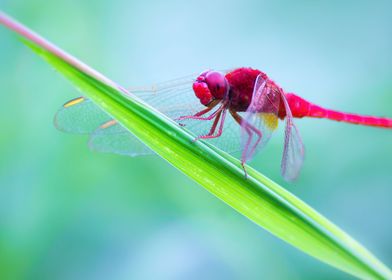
260	119
80	116
293	151
174	99
112	137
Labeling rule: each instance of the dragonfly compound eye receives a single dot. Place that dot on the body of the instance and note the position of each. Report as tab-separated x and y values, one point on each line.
202	92
217	84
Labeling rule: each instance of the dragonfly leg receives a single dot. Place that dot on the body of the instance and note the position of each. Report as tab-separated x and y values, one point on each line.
259	136
238	119
250	130
214	125
212	130
245	151
198	116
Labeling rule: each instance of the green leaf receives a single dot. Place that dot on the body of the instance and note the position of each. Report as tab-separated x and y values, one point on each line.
257	198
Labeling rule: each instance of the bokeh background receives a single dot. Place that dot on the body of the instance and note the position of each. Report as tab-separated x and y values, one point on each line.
69	213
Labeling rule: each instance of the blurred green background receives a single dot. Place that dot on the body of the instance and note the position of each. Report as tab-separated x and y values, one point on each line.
69	213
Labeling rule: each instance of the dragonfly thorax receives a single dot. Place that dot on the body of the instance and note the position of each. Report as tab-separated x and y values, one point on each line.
236	87
242	81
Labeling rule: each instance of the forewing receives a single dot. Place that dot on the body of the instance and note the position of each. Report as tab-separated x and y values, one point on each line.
174	99
293	151
80	116
260	119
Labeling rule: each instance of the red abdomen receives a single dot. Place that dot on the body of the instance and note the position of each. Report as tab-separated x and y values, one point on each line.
301	108
242	81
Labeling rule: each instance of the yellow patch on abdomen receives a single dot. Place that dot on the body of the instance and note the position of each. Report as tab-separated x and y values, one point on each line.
271	120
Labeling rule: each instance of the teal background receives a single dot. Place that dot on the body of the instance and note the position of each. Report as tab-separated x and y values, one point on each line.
69	213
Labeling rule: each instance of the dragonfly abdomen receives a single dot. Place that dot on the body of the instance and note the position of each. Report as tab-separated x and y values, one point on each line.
302	108
358	119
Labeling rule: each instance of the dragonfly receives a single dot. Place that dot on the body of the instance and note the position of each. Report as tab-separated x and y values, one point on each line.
236	110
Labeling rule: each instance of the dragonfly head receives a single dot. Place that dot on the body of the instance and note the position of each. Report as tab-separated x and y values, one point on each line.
210	85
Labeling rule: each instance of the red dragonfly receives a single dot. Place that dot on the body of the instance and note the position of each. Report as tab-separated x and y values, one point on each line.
254	102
